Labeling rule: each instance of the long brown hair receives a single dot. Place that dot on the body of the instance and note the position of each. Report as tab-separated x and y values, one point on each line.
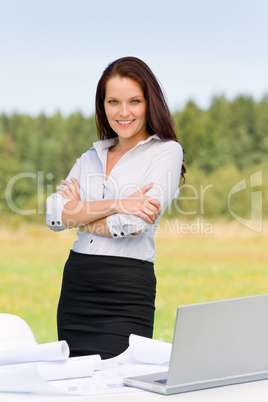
159	119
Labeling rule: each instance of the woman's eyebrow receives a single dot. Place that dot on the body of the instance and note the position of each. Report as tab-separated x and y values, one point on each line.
133	97
137	96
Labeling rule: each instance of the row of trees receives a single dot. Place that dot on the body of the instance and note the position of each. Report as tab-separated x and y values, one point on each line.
227	133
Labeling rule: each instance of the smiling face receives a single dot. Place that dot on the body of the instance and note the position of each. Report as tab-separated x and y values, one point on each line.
125	108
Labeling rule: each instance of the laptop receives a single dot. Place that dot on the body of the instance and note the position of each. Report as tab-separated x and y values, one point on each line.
214	344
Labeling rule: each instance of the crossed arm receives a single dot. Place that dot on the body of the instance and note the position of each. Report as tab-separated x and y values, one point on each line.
92	215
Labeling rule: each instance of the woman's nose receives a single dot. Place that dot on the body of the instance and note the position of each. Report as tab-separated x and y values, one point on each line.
124	110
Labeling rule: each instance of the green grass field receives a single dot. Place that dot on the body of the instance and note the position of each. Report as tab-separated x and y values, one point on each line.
229	262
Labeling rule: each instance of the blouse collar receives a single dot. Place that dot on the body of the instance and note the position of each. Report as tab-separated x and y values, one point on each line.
110	142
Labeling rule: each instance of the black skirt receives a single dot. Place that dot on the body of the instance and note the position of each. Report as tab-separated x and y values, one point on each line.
103	300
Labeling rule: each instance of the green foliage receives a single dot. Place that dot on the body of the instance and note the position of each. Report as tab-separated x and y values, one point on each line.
35	154
205	195
223	145
229	132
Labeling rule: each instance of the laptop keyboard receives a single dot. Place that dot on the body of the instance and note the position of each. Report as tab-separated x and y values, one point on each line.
163	381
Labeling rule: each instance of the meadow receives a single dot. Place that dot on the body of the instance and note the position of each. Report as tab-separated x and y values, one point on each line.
196	262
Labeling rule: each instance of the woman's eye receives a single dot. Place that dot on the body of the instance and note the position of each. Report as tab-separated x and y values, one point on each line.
112	102
135	101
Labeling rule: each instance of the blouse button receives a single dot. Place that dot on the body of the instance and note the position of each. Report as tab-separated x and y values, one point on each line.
115	235
122	233
52	223
91	241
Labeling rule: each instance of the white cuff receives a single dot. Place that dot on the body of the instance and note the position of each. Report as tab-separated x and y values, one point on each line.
120	225
55	205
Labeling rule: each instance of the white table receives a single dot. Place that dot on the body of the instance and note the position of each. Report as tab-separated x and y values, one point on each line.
248	392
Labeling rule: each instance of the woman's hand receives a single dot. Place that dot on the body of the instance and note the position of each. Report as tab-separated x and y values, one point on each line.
70	189
139	204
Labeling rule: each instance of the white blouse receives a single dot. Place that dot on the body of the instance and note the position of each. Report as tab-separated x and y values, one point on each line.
150	161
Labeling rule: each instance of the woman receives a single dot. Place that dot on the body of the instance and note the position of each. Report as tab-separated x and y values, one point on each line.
116	194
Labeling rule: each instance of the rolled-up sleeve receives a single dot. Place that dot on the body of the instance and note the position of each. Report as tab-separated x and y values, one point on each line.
55	203
120	225
164	173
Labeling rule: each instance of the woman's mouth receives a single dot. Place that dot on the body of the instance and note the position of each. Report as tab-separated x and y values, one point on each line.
125	123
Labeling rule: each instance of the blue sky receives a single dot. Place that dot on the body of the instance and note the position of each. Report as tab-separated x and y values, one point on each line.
53	51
